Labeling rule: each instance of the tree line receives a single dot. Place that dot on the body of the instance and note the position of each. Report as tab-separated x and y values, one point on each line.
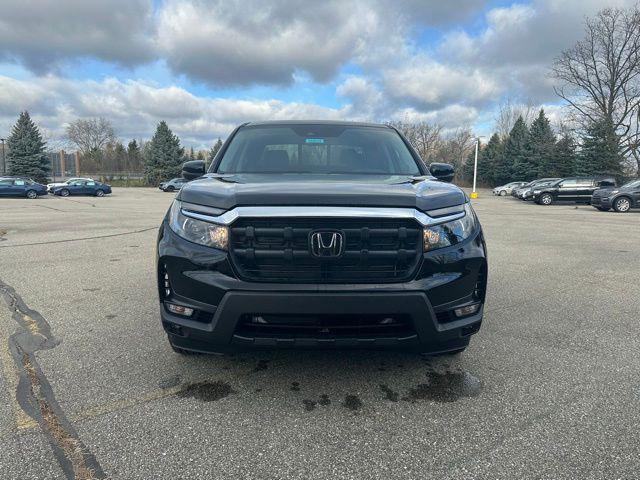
536	151
101	152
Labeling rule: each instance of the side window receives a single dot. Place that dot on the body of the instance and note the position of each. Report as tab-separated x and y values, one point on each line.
585	182
91	184
569	183
19	182
6	182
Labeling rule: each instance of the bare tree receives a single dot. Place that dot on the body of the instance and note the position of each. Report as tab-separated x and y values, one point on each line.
456	147
425	137
508	113
90	135
600	75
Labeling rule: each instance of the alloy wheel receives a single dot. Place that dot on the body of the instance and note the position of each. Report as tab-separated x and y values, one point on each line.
622	205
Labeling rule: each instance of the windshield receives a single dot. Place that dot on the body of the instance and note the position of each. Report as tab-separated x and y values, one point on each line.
631	184
318	149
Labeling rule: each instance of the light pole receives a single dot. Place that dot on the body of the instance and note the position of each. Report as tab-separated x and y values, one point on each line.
474	194
4	165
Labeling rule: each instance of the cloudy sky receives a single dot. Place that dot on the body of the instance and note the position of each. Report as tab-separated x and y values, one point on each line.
206	65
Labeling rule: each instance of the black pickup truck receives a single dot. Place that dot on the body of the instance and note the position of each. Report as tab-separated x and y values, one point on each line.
320	235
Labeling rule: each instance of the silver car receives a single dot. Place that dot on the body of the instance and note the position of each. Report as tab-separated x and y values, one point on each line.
504	190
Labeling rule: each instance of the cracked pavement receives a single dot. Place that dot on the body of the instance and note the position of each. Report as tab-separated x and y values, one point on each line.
549	388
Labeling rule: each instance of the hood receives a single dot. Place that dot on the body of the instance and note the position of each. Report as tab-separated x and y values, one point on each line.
603	191
229	191
56	184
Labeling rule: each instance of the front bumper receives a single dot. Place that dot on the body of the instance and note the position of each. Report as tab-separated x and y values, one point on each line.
601	202
203	279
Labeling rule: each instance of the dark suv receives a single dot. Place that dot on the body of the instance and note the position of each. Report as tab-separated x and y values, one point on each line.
320	235
621	199
576	189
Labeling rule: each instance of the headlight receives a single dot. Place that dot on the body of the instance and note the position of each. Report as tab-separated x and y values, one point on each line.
613	192
450	233
536	192
198	231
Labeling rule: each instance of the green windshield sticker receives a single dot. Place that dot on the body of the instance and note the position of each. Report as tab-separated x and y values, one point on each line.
314	140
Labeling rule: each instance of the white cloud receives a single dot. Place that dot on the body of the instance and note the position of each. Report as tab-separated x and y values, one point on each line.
432	84
43	33
136	107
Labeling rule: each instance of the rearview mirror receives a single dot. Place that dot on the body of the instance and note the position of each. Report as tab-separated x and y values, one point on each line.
442	171
193	169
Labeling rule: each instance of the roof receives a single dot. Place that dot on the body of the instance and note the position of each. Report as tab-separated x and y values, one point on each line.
317	122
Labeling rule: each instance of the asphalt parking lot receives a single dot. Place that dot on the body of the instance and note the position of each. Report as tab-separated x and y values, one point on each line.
89	386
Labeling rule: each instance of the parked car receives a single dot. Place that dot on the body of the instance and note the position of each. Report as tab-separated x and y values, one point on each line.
574	189
21	187
83	187
172	185
526	192
504	190
284	251
621	199
51	186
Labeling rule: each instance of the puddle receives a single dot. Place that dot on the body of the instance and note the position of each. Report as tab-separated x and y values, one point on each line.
445	387
324	400
206	391
352	402
295	387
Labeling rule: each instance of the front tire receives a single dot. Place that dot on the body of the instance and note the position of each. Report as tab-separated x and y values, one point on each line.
99	193
622	205
64	192
545	199
503	193
170	189
32	194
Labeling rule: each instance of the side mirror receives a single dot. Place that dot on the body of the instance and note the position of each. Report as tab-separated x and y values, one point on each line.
442	171
193	169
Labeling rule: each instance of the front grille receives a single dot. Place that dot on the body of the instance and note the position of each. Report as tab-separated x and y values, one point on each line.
278	250
325	326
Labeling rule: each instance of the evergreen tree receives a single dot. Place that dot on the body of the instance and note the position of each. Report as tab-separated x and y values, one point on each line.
214	150
490	160
514	163
542	142
563	161
600	150
26	156
134	156
192	155
467	168
164	155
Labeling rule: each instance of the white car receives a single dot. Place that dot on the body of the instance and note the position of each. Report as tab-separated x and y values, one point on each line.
503	190
51	186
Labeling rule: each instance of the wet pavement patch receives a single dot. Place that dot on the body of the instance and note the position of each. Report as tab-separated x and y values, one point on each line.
445	387
206	391
170	382
389	394
324	400
352	402
90	289
309	405
111	316
295	387
261	365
